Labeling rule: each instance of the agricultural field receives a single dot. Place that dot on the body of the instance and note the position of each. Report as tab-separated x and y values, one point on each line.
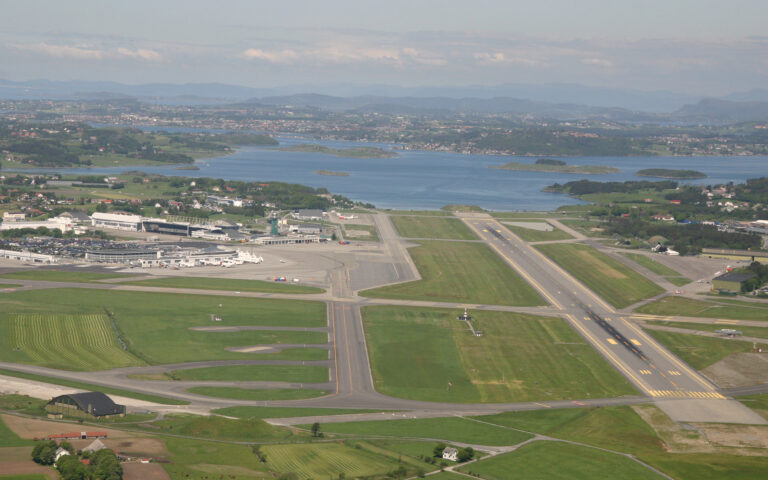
697	351
62	275
230	284
426	354
460	272
534	235
547	460
688	307
157	327
614	282
326	460
432	227
81	342
254	373
449	429
658	268
10	439
254	394
30	476
199	460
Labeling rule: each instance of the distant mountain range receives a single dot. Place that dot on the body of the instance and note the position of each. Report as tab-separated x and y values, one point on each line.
555	101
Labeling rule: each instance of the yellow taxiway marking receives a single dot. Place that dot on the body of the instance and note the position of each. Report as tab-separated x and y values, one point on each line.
635	342
645	372
670	357
486	231
674	373
612	341
616	362
607	319
728	322
542	405
685	394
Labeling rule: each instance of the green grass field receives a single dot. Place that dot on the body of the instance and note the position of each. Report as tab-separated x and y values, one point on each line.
669	274
614	282
156	326
688	307
547	460
461	272
450	429
285	412
253	394
200	460
219	428
426	354
254	373
758	403
532	235
432	227
92	387
760	332
10	439
326	460
697	351
81	342
62	275
231	284
423	213
31	476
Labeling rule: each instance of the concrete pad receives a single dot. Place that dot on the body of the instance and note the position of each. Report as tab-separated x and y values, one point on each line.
710	411
541	226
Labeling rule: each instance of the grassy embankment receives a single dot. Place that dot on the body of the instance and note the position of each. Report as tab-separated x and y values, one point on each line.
432	227
426	354
671	275
717	308
460	272
616	283
156	327
534	235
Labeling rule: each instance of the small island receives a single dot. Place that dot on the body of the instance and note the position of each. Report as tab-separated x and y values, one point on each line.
354	152
332	174
557	166
671	173
188	167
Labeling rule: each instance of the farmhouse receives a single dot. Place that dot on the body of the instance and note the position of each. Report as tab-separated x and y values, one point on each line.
88	404
450	453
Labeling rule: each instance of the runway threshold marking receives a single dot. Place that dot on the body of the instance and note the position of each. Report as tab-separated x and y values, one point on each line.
645	372
618	363
677	362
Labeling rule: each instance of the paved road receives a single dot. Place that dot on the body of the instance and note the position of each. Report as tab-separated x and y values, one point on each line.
654	370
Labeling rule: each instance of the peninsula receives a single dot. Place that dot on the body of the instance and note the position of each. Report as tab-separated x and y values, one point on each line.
557	166
670	173
331	173
355	152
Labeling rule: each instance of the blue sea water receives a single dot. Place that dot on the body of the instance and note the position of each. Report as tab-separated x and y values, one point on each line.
430	180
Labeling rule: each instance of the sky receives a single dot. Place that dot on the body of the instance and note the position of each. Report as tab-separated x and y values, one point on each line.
702	47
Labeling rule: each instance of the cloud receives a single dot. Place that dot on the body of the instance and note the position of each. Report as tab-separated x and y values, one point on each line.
61	51
141	53
598	62
282	56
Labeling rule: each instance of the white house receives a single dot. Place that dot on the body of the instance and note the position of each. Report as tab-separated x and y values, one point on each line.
450	453
60	452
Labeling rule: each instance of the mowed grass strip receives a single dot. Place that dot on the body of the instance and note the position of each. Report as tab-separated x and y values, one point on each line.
78	342
697	351
689	307
760	332
156	326
450	429
255	373
547	460
285	412
254	394
433	227
63	275
426	354
616	283
326	460
534	235
461	272
231	284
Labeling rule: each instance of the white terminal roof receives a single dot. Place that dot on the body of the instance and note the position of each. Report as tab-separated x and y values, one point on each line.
116	217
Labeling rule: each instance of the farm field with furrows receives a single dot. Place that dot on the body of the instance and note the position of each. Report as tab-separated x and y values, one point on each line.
81	342
326	460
